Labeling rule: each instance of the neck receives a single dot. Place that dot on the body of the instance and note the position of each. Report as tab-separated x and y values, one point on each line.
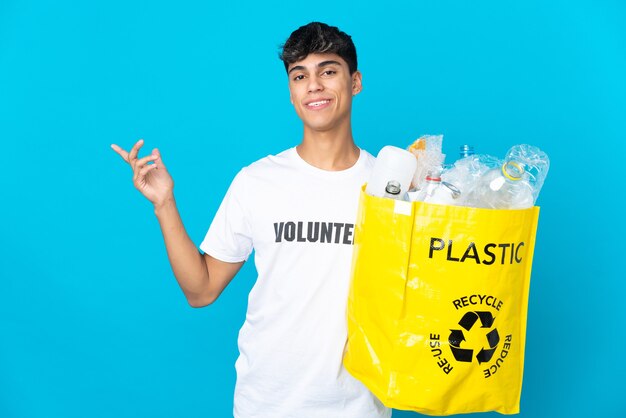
332	150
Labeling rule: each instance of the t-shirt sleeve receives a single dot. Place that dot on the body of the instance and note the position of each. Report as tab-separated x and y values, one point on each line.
229	237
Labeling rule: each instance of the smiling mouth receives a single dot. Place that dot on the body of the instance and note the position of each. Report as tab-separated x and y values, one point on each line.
318	104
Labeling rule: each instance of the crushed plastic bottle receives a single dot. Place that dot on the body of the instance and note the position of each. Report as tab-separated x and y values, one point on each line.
467	171
428	152
437	191
506	187
535	163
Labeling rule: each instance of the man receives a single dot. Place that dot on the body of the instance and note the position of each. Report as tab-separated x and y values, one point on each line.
297	210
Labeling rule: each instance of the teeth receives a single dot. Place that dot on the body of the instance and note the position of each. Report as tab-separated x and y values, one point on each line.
316	104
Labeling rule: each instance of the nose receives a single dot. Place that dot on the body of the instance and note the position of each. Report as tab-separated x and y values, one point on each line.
315	84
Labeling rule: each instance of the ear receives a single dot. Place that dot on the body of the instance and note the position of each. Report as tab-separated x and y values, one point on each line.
290	94
357	85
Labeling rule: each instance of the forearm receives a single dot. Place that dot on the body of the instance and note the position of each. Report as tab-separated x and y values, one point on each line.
187	263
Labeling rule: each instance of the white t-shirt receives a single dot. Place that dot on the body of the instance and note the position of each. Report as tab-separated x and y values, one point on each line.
300	221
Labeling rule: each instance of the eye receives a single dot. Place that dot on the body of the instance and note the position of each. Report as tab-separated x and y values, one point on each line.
329	72
298	77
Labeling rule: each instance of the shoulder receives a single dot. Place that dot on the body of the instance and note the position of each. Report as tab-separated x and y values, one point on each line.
269	164
368	159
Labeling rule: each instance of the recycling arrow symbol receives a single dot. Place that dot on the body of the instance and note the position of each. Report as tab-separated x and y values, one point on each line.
467	322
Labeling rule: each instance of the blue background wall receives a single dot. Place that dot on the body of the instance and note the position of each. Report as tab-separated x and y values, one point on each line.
92	323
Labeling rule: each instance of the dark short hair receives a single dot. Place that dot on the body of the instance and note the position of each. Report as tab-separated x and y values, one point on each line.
317	37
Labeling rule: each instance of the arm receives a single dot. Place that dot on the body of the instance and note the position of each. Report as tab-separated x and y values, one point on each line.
201	278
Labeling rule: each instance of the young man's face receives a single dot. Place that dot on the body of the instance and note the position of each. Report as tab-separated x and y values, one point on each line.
321	89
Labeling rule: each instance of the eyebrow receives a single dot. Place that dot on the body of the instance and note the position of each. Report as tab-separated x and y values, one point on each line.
320	65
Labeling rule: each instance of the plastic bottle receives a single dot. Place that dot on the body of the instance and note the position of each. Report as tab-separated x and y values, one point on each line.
438	192
466	151
392	164
506	187
467	170
535	163
430	157
392	191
